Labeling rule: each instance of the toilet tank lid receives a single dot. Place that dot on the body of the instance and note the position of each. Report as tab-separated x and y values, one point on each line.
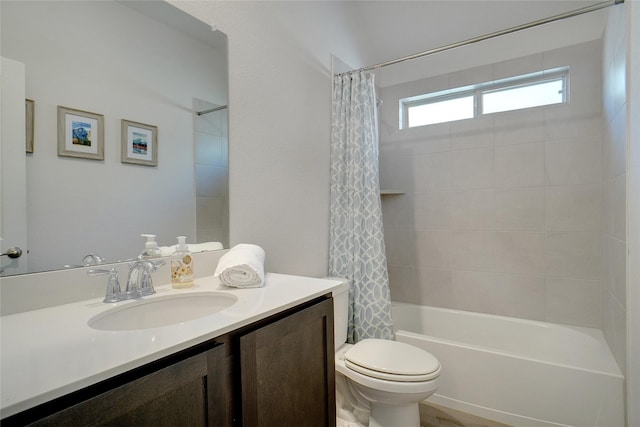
392	357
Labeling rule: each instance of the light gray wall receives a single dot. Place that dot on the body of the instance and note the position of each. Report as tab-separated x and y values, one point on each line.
614	177
633	212
110	69
502	214
279	121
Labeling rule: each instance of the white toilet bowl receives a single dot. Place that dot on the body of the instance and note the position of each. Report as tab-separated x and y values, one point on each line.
389	378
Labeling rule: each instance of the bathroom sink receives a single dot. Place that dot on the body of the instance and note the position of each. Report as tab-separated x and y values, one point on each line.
161	311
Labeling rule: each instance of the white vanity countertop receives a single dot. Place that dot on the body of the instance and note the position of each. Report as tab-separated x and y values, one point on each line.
51	352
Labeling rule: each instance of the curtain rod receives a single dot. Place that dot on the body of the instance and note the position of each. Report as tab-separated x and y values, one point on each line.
211	110
532	24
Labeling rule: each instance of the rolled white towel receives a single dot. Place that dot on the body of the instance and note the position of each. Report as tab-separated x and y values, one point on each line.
242	267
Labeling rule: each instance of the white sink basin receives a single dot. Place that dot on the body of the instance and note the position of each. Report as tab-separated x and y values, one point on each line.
161	311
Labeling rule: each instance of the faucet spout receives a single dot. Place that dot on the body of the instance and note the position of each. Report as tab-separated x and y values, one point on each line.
140	282
93	259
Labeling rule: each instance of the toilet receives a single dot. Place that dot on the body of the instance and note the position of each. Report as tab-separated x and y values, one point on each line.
378	379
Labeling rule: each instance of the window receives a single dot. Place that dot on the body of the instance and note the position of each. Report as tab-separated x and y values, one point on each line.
531	90
440	111
524	96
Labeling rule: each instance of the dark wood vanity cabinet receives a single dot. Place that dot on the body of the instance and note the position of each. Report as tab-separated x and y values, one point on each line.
175	395
276	372
288	371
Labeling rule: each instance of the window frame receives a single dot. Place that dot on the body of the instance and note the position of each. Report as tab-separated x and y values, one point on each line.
478	90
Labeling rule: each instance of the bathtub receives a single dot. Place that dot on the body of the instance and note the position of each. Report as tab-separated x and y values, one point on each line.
518	372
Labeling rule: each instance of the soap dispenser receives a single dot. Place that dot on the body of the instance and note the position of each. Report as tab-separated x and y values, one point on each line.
181	265
151	249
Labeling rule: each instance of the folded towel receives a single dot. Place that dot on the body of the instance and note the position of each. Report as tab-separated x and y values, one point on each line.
242	267
167	250
192	247
202	247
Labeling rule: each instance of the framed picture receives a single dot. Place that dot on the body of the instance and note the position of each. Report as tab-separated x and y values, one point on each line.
139	143
29	109
80	134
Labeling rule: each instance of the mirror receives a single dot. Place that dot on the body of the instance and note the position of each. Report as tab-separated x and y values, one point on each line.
145	62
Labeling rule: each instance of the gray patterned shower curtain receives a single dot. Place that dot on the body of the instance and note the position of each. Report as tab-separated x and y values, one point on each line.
356	247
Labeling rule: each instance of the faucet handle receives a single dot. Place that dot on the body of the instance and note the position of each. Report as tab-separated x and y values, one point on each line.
146	281
113	285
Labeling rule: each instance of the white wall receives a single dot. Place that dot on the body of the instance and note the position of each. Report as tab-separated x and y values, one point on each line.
279	120
100	61
614	295
633	212
13	166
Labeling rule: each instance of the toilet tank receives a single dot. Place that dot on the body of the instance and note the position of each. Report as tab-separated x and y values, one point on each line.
340	311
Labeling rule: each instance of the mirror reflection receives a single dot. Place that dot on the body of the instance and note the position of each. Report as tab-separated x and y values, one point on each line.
144	62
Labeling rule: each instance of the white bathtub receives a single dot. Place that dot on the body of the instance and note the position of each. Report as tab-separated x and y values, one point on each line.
519	372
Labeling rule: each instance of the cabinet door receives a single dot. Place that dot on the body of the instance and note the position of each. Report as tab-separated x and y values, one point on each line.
287	370
172	396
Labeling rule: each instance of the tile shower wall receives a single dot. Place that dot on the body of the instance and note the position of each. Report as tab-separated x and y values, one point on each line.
212	175
501	214
614	185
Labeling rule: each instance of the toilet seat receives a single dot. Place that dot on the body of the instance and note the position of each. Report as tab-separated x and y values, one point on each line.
391	361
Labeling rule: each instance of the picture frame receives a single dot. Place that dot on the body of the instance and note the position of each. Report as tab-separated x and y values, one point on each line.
29	123
80	134
139	143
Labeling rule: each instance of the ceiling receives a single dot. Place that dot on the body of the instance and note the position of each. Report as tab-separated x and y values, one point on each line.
387	30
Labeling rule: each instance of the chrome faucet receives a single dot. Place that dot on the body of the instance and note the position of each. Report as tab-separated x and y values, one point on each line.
139	282
93	259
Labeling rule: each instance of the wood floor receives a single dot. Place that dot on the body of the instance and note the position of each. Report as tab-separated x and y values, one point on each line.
438	416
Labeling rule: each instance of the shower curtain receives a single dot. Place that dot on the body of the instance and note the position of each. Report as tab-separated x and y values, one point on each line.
356	246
